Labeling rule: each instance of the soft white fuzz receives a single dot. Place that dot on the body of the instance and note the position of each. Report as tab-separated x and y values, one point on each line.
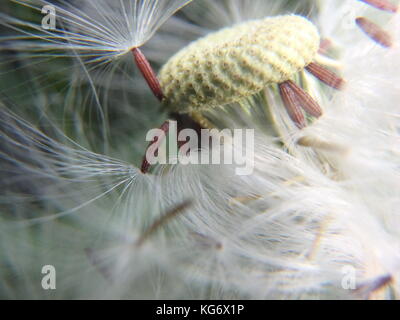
97	29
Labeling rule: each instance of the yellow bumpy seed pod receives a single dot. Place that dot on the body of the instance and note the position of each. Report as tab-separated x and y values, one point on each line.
237	62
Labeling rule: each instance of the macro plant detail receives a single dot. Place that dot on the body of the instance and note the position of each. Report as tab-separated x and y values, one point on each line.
253	54
236	63
316	82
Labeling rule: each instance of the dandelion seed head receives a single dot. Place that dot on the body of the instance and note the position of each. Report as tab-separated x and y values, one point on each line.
237	62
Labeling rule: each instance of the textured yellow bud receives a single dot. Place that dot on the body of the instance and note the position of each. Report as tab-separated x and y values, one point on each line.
237	62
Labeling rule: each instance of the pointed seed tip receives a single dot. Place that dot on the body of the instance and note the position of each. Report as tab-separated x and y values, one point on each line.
375	32
371	287
292	104
384	5
326	76
164	219
145	166
295	99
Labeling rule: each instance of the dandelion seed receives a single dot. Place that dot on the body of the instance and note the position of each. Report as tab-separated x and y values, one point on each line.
207	241
148	74
104	270
369	289
162	221
296	99
308	141
292	104
375	32
156	143
324	46
326	76
385	5
97	29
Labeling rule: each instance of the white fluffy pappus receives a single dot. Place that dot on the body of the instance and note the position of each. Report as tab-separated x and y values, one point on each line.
96	29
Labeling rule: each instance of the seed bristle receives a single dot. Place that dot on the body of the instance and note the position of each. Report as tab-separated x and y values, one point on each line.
384	5
324	46
375	32
148	73
326	76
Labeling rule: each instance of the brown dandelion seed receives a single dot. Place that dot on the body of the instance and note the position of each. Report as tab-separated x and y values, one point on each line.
292	105
295	99
316	143
326	76
368	289
324	46
384	5
162	221
206	241
145	163
95	260
375	32
148	73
